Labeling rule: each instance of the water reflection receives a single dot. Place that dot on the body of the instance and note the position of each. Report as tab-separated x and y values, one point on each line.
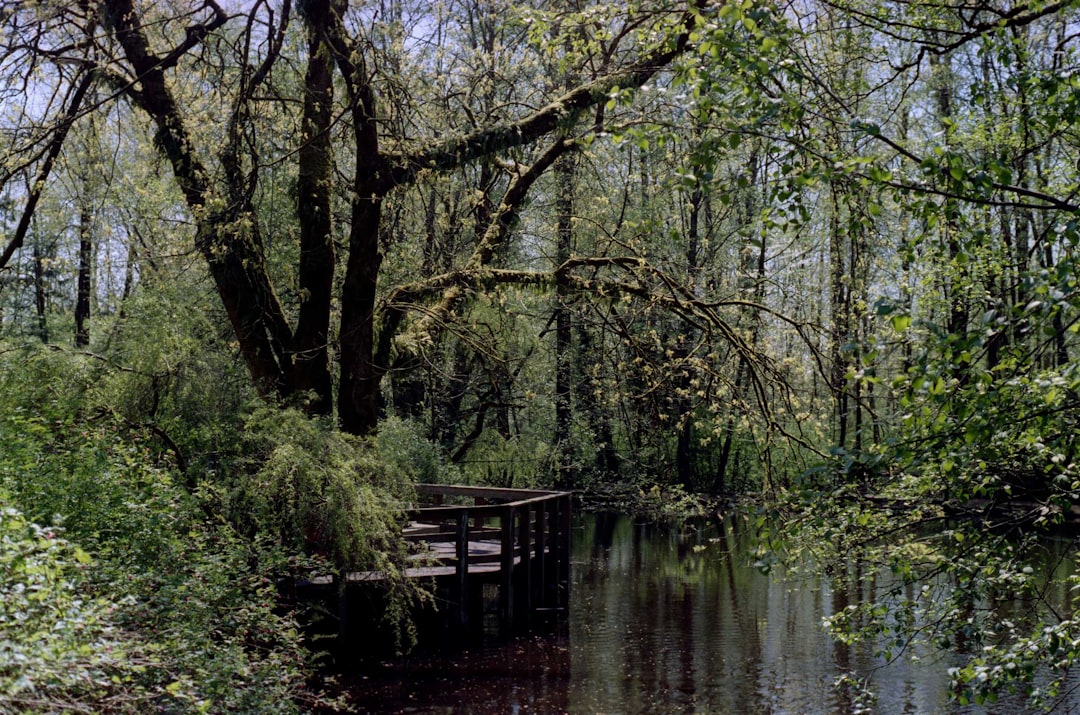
676	621
670	621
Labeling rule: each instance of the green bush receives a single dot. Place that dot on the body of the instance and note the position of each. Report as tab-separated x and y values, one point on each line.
315	488
175	612
55	642
180	518
403	449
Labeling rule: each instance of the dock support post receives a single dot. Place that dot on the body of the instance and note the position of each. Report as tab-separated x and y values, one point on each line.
565	526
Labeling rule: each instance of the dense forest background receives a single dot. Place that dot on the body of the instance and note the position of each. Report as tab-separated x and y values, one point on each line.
267	265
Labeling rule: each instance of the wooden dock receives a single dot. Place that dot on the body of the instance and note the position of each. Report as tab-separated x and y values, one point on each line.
497	557
517	539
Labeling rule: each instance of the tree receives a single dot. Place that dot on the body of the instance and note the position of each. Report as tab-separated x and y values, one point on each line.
977	190
134	50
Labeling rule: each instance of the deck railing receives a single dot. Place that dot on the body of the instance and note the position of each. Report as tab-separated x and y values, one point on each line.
518	538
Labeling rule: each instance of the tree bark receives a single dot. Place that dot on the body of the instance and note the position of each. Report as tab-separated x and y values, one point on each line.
564	211
358	403
310	348
227	237
83	283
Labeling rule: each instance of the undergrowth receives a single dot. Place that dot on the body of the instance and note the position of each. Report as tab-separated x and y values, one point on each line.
141	569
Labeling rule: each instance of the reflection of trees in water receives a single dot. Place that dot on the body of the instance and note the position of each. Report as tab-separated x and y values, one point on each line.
735	544
678	615
677	620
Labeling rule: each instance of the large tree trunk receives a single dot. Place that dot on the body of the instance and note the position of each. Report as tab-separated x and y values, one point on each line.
310	349
228	234
358	394
227	237
358	405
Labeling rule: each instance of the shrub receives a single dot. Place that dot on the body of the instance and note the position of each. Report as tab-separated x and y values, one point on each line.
55	642
315	488
403	449
142	601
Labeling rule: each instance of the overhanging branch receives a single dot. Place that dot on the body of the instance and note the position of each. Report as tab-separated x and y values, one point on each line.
457	151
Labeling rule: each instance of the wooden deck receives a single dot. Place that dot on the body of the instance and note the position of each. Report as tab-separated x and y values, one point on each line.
487	547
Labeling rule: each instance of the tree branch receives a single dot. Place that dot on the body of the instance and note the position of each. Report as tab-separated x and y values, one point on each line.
1047	201
1018	16
57	143
454	152
495	234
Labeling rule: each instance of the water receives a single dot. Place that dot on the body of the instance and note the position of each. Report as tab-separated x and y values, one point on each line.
669	620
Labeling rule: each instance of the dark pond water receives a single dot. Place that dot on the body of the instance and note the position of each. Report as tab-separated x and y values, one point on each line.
670	621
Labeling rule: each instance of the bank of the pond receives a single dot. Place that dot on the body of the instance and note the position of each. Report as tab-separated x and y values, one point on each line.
667	620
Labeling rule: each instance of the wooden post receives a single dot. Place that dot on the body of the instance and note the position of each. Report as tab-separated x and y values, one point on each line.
506	570
554	557
543	511
523	588
563	543
461	573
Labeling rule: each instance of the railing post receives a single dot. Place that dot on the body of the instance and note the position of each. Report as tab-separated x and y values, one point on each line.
461	572
533	534
506	570
523	587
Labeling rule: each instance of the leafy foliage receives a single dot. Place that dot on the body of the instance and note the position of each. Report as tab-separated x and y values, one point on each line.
52	637
950	521
313	487
133	598
742	236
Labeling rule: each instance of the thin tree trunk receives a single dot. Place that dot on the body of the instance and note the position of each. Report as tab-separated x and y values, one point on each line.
40	295
83	287
564	210
956	286
607	459
840	319
684	446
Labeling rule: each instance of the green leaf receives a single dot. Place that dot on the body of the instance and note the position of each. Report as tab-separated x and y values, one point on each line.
900	322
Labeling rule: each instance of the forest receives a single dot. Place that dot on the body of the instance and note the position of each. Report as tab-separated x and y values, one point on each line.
268	264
